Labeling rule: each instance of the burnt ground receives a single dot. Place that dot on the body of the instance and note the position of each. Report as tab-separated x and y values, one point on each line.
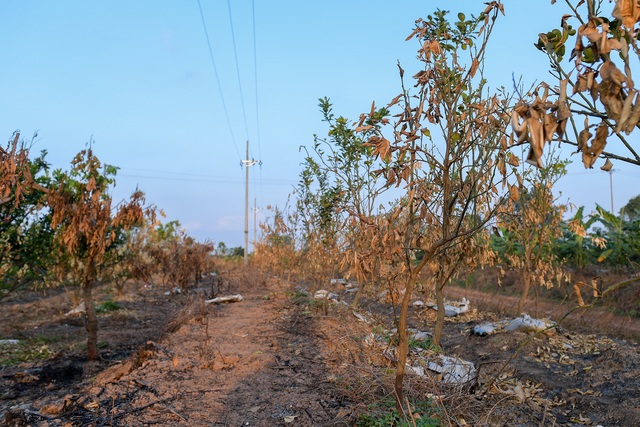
281	358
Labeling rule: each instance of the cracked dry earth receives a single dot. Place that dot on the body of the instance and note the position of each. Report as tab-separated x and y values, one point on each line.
253	363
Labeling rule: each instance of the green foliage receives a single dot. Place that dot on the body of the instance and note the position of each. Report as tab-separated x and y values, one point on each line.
383	415
631	211
169	231
221	249
108	306
423	344
298	297
601	238
622	237
25	235
29	350
236	252
573	246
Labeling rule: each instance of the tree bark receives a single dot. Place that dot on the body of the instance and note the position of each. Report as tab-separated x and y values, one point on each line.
403	346
356	299
526	278
439	327
91	318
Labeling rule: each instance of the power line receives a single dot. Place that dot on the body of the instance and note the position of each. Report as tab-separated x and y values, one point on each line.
215	70
235	54
203	178
255	74
255	77
171	172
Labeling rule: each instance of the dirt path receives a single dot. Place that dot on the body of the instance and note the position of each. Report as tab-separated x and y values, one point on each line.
250	363
590	321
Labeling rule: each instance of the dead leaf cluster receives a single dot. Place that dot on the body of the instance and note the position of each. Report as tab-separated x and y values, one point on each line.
16	178
537	123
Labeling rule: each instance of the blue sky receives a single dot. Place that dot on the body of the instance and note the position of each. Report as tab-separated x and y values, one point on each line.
137	77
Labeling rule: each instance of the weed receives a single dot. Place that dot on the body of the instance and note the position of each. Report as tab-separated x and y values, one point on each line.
298	297
25	351
423	344
107	306
383	414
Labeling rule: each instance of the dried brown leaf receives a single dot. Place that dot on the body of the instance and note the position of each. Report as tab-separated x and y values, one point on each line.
584	137
628	12
634	118
600	140
537	141
514	193
626	111
607	166
612	74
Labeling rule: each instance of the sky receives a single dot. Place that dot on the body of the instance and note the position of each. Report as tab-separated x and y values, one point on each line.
138	80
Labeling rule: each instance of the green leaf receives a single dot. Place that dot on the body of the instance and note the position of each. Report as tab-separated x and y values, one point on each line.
608	219
604	255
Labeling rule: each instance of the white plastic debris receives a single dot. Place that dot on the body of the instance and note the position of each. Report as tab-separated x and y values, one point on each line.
452	369
361	317
416	370
9	342
420	336
77	311
526	323
175	291
484	329
228	298
324	294
453	309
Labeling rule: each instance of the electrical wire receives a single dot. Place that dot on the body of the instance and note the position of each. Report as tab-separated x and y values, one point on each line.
235	54
202	178
215	70
255	77
237	64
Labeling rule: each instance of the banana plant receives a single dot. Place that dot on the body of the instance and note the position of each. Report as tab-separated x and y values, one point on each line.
622	239
574	246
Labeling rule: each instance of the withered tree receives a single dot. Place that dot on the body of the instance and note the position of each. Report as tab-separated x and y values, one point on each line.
87	225
24	231
449	151
595	102
530	228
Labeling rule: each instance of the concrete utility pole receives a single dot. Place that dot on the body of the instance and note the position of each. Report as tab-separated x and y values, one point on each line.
255	215
247	164
611	189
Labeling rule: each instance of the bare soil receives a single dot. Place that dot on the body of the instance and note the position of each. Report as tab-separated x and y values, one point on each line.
281	358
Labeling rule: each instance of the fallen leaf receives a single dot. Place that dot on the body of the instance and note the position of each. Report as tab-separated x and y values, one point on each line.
343	412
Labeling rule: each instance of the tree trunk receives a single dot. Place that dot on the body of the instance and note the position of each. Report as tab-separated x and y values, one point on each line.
91	318
356	299
403	346
526	278
437	331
